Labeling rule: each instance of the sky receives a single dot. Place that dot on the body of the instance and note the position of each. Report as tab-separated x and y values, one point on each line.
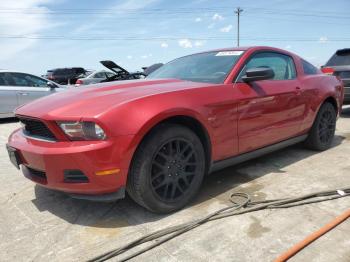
37	35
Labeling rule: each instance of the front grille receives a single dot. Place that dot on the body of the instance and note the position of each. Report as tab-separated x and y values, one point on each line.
37	173
36	128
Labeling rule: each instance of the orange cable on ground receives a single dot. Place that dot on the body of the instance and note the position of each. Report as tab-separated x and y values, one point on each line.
309	239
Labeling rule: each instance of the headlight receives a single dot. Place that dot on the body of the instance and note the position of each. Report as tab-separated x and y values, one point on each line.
82	130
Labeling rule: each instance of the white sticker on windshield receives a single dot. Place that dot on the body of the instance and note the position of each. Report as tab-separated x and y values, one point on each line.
229	53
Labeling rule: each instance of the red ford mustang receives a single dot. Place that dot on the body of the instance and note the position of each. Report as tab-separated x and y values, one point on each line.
156	138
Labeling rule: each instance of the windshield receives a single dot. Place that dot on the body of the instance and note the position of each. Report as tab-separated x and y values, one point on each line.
211	67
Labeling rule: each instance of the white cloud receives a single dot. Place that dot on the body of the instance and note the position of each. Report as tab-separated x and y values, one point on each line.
217	17
185	43
199	43
146	56
288	47
198	19
211	26
129	57
21	22
323	39
226	29
164	45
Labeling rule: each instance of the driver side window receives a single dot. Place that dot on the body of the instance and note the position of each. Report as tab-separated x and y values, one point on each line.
36	81
282	65
21	79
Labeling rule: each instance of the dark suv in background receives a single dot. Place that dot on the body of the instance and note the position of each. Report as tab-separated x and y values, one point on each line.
66	76
339	65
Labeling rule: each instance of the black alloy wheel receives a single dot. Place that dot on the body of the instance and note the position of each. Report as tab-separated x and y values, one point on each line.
323	129
326	126
173	169
167	169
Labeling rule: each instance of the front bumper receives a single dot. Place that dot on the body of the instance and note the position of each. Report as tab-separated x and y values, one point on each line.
46	162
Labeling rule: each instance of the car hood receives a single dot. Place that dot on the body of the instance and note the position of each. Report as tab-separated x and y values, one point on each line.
96	99
114	67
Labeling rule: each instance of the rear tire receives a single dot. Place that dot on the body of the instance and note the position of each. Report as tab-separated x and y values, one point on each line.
167	169
322	132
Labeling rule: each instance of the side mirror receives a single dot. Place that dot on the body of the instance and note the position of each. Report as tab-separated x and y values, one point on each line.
257	74
51	85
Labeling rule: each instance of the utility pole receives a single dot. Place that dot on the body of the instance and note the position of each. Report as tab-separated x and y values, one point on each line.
238	12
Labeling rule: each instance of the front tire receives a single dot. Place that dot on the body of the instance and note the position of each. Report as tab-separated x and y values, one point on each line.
322	132
167	169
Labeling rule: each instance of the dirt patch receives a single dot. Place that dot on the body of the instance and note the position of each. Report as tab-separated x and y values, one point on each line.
255	229
104	229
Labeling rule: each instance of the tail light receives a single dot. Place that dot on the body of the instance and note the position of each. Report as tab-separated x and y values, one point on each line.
327	70
78	82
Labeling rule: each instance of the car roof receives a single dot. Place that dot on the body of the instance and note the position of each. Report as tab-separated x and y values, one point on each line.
13	71
246	48
66	68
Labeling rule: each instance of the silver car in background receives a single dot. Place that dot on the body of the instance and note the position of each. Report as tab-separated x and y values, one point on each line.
94	78
20	88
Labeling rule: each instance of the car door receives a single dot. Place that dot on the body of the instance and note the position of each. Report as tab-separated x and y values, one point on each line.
8	95
30	87
269	111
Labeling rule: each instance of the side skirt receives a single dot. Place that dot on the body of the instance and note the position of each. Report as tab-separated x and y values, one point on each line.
221	164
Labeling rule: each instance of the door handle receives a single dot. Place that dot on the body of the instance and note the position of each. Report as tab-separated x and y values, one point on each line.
23	94
297	90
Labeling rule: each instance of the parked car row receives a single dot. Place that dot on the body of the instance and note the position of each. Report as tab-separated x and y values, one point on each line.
79	76
18	88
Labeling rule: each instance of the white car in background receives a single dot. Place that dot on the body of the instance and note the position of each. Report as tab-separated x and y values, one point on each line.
18	88
94	78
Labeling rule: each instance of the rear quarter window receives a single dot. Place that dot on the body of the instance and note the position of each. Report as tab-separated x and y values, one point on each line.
308	68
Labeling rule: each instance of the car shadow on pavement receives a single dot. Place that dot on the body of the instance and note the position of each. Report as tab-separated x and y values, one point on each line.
216	187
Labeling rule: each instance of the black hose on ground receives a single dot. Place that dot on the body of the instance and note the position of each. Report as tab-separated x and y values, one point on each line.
237	208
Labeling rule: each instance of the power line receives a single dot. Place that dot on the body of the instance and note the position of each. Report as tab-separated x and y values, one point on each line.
105	11
188	19
165	38
292	20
